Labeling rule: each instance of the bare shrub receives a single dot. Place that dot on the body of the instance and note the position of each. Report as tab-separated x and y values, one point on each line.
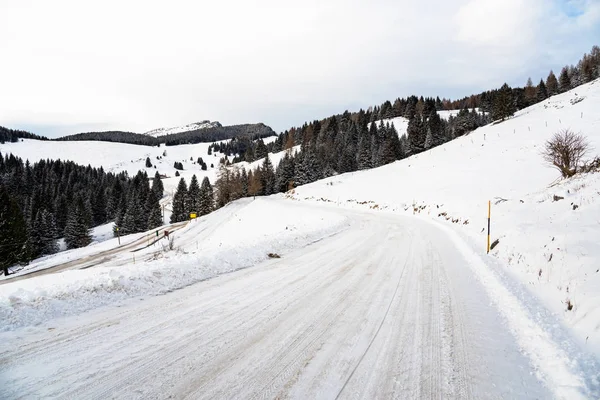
565	151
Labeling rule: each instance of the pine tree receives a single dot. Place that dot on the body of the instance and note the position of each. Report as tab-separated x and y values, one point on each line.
179	199
13	232
35	244
364	152
244	179
254	183
49	233
530	92
193	196
77	232
153	212
268	176
129	223
206	203
435	128
542	92
261	150
374	134
285	173
99	206
504	106
416	135
564	80
387	150
148	163
157	186
552	84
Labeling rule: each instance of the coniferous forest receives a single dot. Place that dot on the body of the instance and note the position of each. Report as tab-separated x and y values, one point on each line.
48	200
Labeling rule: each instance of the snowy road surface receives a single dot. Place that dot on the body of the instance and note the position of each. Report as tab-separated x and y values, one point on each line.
385	309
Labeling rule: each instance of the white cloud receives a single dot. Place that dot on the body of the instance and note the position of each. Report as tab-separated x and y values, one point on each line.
137	65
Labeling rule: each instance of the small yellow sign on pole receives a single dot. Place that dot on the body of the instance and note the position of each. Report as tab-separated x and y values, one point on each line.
192	215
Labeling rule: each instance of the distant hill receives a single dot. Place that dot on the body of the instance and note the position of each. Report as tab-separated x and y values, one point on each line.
113	136
199	132
13	135
206	124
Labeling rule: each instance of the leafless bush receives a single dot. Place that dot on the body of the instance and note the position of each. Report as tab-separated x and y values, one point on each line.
592	166
565	151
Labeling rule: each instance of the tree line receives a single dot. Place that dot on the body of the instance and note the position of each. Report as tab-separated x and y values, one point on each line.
13	135
204	135
355	141
198	199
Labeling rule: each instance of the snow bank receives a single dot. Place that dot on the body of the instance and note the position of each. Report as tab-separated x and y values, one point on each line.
552	247
235	237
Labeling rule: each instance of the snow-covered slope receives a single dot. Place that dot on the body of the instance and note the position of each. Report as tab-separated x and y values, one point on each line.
446	114
400	123
553	248
186	128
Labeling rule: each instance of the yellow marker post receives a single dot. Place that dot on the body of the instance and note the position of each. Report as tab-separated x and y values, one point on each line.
488	235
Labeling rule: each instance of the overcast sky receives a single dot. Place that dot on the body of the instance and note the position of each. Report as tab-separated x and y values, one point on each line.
72	66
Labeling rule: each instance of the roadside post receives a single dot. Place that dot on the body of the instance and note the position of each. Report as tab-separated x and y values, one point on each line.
118	235
488	233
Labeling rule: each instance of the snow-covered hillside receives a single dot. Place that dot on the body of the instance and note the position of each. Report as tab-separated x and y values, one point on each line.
118	157
400	123
552	247
186	128
446	114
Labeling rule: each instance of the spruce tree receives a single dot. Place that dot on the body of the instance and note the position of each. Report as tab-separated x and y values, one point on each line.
503	104
153	212
49	233
416	135
77	232
268	176
179	200
552	84
193	196
157	186
35	243
206	203
244	179
129	223
364	153
435	128
13	232
261	150
564	80
99	206
542	92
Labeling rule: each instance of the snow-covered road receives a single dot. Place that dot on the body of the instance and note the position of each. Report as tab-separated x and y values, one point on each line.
388	308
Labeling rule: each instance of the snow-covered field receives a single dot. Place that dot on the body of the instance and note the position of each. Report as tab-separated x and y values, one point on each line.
117	157
553	248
